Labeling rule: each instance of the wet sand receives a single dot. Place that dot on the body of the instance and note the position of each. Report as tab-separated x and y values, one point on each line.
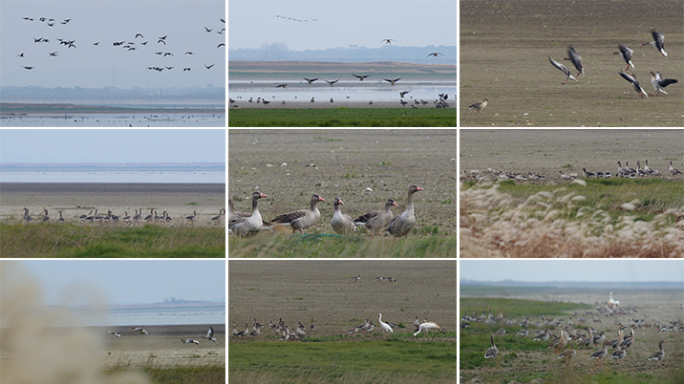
504	50
75	199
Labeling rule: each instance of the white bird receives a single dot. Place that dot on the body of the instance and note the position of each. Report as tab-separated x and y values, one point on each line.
142	331
189	341
210	335
385	327
427	327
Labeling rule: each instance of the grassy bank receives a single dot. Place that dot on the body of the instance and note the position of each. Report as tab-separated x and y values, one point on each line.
76	241
382	361
329	245
193	375
343	117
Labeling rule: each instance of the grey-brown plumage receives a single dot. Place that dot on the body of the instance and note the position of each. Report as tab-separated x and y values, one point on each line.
491	351
575	59
377	220
298	220
401	225
340	222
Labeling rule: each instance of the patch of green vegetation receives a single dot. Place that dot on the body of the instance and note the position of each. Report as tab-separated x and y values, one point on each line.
343	117
105	241
331	245
334	362
194	375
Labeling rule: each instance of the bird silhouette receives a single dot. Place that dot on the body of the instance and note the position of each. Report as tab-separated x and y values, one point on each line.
392	81
310	80
221	44
186	69
435	54
207	29
360	77
208	66
139	35
29	68
332	82
387	41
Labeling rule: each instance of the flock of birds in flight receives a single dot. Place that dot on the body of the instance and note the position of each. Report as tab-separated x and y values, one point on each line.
626	53
124	44
142	331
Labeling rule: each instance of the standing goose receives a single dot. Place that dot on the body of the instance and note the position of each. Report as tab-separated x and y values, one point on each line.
587	174
575	59
480	105
626	55
149	217
619	354
46	217
658	355
563	69
217	219
673	171
659	83
658	42
600	354
568	354
632	79
651	171
341	223
492	351
126	218
298	220
137	216
61	219
191	217
402	224
27	217
377	220
247	226
83	218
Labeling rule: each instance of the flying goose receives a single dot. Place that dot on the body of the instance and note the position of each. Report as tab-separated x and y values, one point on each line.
341	223
434	54
210	335
563	69
117	334
480	105
387	41
632	79
189	341
658	42
626	55
575	59
401	225
375	221
247	226
332	82
659	83
310	80
304	218
360	77
140	330
392	81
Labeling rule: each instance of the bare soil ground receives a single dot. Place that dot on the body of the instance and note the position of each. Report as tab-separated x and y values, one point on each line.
177	199
545	152
324	290
504	50
291	165
664	306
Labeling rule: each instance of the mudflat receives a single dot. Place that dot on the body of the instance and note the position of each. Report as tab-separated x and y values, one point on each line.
505	47
75	199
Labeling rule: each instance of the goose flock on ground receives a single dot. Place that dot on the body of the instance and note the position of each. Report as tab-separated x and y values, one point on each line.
573	337
624	172
135	42
142	331
152	218
245	224
299	331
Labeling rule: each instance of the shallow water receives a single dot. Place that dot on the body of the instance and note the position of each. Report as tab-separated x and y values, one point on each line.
176	315
117	120
352	91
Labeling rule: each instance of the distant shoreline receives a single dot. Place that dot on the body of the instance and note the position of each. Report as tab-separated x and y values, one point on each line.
61	109
113	188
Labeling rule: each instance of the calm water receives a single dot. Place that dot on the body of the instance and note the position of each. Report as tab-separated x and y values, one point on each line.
342	91
153	316
115	177
118	120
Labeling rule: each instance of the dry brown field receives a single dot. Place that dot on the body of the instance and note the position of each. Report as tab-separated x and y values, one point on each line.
505	46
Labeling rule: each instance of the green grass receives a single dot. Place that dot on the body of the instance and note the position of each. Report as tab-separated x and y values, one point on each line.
378	361
101	241
343	117
330	245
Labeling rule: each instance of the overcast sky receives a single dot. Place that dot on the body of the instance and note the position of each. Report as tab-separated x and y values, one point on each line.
91	66
341	23
127	281
623	270
112	145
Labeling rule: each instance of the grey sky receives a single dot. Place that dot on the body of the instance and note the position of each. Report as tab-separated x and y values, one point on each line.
112	145
128	281
91	66
573	270
342	23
